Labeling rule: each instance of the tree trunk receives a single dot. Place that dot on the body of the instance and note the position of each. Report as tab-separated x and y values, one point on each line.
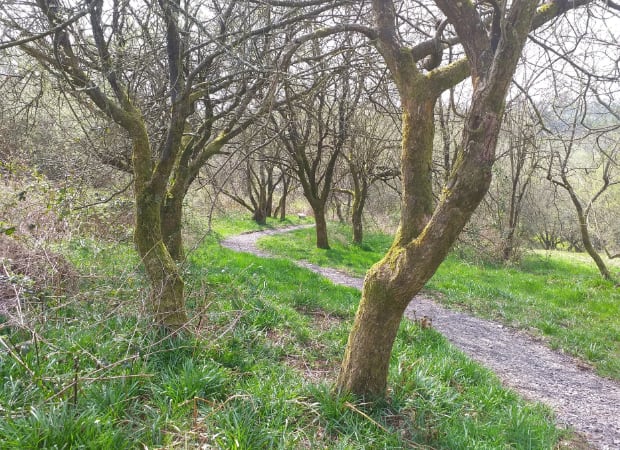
357	217
260	204
282	206
416	166
172	226
167	296
508	249
341	217
321	227
585	234
366	361
359	194
260	215
358	227
425	233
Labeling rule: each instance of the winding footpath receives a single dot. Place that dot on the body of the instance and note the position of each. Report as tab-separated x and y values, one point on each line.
581	399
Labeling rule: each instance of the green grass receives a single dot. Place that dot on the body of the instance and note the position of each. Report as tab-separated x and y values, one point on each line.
343	254
236	223
255	372
558	295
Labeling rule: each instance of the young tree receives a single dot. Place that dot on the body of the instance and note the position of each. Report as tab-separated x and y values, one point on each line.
426	230
369	158
517	166
315	128
596	156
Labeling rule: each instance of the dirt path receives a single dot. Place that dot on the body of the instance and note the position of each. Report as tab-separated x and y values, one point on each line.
581	399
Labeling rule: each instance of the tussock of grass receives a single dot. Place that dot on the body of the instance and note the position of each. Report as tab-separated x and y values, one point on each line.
254	372
559	295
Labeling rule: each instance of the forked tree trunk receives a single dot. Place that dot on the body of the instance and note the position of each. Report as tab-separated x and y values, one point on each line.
261	207
426	234
393	282
167	288
585	233
167	297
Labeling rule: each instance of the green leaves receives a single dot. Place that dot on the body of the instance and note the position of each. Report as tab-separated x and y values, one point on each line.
6	229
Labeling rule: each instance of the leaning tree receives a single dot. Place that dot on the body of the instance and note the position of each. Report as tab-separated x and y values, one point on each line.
578	156
492	37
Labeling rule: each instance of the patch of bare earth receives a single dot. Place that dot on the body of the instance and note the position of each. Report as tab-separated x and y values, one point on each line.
582	400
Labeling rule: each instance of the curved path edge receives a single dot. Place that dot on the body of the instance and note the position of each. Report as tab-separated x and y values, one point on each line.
581	399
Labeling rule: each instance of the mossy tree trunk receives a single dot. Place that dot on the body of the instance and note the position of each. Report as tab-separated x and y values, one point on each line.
166	284
427	231
357	221
150	175
172	226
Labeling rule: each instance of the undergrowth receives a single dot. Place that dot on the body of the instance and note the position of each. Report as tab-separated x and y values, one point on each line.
254	368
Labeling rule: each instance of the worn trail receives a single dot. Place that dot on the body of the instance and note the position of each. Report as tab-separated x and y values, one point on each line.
581	399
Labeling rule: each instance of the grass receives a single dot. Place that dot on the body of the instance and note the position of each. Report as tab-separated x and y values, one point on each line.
558	295
254	372
237	223
343	254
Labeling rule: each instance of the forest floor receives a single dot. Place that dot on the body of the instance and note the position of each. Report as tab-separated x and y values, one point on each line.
582	400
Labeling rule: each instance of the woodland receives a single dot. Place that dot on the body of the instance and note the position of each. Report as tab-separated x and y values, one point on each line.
466	151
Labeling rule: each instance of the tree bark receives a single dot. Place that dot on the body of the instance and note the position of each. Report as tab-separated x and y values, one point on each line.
426	234
359	201
167	287
322	240
172	226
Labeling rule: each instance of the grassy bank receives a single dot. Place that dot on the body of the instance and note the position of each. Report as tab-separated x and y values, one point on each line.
558	295
254	369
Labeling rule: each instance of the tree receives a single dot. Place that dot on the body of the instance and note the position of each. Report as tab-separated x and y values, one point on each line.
261	175
315	128
517	166
181	80
369	159
600	158
427	231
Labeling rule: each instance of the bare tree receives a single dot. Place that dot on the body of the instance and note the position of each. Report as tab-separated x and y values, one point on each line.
260	173
519	162
315	128
182	79
574	150
427	230
370	158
